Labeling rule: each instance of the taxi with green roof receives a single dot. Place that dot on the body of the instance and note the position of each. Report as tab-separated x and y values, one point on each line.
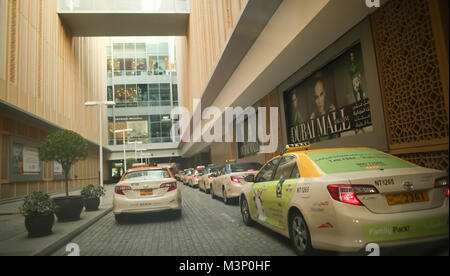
346	199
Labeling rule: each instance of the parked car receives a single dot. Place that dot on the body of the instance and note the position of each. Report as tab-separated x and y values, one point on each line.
187	176
146	190
178	175
229	180
344	199
204	181
182	175
196	174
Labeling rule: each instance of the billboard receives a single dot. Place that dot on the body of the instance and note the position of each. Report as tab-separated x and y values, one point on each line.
331	103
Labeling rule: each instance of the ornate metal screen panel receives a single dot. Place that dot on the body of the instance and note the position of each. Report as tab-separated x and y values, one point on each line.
409	73
433	160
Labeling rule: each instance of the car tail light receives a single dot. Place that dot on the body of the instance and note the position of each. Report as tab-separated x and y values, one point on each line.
120	189
196	176
172	186
348	193
442	183
211	177
236	179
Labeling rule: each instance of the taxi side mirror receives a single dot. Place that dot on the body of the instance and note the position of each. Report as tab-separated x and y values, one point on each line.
250	178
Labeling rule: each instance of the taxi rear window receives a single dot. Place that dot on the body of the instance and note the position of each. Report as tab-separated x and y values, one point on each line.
357	160
147	174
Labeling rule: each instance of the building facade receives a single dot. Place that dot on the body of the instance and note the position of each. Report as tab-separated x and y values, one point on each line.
46	76
142	81
340	75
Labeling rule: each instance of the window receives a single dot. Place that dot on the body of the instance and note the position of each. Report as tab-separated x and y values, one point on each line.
245	167
286	167
110	93
165	94
143	94
119	62
119	94
266	173
175	94
154	95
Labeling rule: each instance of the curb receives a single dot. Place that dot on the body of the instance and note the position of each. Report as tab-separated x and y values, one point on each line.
51	248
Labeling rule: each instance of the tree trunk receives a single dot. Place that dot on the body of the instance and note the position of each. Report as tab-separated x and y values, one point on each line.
66	177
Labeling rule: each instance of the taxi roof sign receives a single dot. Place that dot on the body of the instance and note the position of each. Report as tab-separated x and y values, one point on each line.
231	161
298	147
139	165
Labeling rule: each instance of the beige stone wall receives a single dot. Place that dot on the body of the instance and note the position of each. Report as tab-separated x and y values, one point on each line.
210	24
83	173
49	74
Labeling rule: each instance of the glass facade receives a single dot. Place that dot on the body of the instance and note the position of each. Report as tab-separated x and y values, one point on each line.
140	59
141	81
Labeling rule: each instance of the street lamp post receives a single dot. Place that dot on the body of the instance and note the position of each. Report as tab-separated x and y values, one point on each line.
124	150
142	158
135	148
101	104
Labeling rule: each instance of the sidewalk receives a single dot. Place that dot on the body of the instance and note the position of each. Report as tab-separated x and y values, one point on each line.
14	239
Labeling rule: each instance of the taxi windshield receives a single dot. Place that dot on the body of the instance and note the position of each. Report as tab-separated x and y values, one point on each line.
356	160
147	174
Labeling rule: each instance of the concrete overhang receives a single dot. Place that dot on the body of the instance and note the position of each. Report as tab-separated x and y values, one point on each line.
17	113
279	51
252	21
125	18
163	153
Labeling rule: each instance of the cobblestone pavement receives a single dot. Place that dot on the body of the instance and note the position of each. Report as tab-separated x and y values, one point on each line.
207	228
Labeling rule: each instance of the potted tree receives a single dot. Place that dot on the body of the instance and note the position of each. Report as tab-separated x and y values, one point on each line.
65	147
39	211
91	195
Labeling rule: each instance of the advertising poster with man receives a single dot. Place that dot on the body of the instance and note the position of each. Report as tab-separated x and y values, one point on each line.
331	103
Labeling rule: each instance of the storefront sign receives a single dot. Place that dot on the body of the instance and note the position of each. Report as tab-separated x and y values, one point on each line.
25	160
57	169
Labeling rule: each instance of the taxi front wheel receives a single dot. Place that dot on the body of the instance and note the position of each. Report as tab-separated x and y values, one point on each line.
299	235
226	200
245	211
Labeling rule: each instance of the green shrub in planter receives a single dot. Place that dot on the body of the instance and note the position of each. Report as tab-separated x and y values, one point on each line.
91	195
67	148
39	211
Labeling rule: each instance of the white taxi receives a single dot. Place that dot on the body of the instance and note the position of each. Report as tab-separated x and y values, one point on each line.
229	179
146	190
205	181
345	199
196	174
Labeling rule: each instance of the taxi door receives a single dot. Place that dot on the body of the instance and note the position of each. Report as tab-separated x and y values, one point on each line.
259	196
281	190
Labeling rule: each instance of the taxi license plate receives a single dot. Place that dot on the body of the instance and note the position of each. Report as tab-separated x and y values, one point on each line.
146	192
405	198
